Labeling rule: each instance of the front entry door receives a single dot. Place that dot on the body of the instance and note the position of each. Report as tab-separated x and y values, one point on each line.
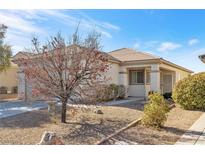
167	83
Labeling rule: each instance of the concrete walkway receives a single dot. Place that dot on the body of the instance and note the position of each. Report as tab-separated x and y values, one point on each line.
110	103
195	135
124	101
11	108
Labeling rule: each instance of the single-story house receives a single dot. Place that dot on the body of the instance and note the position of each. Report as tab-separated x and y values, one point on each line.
140	72
202	57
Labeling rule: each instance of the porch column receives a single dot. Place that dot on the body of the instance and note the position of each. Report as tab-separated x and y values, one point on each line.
21	84
155	78
24	88
123	78
145	82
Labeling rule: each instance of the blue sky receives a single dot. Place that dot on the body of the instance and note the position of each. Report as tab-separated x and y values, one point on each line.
176	35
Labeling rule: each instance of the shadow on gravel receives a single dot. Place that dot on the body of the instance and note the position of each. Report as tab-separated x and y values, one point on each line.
87	133
133	105
33	119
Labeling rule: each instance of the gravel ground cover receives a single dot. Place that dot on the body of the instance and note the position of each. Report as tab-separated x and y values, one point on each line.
85	126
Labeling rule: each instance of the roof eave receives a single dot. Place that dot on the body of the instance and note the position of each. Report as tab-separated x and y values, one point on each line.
175	65
114	61
157	60
144	61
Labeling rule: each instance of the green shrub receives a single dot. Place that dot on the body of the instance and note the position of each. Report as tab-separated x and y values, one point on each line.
104	93
155	112
110	92
190	92
121	92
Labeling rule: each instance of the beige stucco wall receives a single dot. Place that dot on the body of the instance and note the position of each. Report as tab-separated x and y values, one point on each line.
9	78
113	73
120	75
136	90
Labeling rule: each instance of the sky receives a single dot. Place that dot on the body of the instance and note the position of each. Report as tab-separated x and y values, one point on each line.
175	35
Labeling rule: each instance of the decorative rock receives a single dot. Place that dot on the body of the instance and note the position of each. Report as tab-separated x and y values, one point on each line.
98	112
50	138
51	106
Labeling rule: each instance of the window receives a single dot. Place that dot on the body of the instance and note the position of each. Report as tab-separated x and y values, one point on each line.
140	77
133	76
3	90
136	77
15	90
148	77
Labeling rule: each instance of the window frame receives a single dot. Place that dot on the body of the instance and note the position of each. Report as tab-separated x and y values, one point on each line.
136	80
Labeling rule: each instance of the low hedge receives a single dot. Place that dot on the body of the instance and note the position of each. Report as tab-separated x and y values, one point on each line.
110	92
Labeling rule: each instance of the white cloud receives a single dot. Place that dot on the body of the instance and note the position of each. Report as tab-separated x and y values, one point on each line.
137	45
24	23
101	24
199	51
110	26
150	44
168	46
18	40
193	41
19	23
21	27
150	12
86	22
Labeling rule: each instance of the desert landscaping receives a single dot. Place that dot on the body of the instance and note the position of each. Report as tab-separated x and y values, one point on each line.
69	90
85	126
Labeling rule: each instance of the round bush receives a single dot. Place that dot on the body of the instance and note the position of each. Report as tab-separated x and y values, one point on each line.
190	92
155	112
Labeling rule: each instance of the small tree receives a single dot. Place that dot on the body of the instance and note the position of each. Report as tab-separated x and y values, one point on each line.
5	50
66	70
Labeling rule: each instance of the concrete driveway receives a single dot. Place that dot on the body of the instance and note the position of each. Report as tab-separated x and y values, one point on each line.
12	108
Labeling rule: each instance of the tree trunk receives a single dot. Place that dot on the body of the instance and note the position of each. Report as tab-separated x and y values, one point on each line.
63	112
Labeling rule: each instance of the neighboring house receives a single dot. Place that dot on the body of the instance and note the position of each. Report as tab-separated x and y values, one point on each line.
202	57
140	72
9	82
